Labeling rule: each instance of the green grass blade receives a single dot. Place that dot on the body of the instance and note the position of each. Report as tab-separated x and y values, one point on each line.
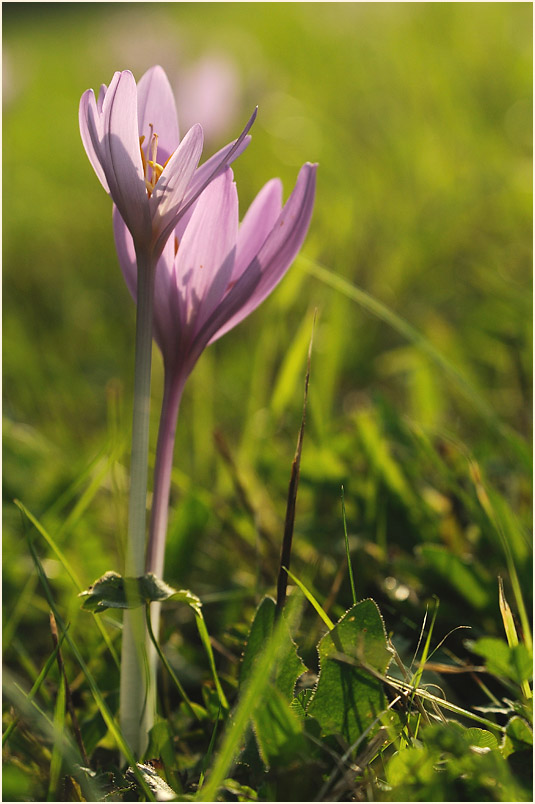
57	749
97	695
208	756
168	667
405	329
349	567
312	600
35	687
71	573
19	608
418	675
41	723
205	639
495	521
442	702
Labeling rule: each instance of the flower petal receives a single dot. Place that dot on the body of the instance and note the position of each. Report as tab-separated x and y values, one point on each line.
156	107
90	131
205	256
272	261
122	163
257	224
166	200
218	162
109	133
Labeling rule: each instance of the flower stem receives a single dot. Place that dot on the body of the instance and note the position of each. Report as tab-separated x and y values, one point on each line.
172	394
173	387
135	716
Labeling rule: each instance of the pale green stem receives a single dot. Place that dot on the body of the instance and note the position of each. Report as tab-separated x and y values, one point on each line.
173	387
135	716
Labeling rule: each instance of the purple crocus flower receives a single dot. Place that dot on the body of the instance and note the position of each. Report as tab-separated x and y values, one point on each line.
131	137
210	276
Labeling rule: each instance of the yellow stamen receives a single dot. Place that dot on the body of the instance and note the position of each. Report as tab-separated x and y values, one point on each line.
156	168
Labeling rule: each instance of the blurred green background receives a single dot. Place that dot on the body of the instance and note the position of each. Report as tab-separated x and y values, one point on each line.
420	116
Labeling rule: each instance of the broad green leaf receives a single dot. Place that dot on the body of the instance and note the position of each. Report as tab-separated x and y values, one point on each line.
513	663
241	791
348	698
278	731
518	737
415	765
481	738
112	591
290	667
158	786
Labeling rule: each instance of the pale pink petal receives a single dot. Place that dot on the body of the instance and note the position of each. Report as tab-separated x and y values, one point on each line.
166	200
218	162
122	164
257	224
109	134
206	253
156	107
88	117
272	261
126	253
101	94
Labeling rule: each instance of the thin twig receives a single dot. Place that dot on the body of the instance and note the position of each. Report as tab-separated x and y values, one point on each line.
286	549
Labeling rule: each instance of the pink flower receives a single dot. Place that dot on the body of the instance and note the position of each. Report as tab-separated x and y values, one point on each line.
131	137
213	273
210	276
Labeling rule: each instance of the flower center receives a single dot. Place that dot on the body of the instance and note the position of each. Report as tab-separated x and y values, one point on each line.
151	169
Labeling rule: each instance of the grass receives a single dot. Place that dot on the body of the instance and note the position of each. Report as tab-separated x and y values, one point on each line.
419	262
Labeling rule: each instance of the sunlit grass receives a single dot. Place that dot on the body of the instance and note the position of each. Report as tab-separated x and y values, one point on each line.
419	262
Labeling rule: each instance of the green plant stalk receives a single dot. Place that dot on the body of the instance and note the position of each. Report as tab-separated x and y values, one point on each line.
205	639
349	567
137	698
167	666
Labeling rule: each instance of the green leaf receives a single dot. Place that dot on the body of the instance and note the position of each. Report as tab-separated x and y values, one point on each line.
481	738
158	786
518	737
241	791
278	731
290	666
513	663
348	698
112	591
